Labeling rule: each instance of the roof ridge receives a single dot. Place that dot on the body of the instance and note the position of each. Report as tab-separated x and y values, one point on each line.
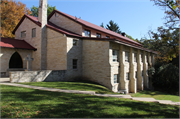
91	25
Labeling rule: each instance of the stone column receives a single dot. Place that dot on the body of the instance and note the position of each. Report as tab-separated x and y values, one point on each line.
145	70
123	82
149	59
153	60
139	70
132	81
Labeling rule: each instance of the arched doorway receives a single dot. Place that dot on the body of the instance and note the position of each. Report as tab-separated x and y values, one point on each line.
15	61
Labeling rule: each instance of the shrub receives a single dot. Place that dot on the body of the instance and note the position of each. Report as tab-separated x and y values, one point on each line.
166	78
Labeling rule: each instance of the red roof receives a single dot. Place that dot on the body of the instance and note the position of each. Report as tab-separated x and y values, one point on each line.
95	27
15	43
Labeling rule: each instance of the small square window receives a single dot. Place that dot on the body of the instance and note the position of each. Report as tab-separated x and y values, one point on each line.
127	76
127	56
75	42
115	78
98	35
23	34
33	32
87	33
135	57
107	37
115	55
74	63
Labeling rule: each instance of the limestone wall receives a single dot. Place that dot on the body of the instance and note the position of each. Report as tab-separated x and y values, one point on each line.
56	50
6	54
27	26
74	52
66	23
96	65
37	76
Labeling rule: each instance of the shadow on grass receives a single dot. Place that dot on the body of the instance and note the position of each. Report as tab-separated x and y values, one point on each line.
75	85
65	105
153	93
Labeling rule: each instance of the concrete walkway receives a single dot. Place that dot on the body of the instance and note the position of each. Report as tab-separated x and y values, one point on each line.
92	93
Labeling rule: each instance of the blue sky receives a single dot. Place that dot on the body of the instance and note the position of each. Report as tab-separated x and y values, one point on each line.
134	17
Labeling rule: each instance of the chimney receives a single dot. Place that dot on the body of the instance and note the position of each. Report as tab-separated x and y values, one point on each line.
123	34
42	15
42	18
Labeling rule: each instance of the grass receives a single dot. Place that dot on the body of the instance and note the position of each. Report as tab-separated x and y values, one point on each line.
157	95
18	102
83	85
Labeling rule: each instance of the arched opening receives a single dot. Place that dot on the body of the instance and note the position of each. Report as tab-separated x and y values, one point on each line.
15	61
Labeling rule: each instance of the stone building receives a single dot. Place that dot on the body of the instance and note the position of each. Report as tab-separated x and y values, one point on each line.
61	47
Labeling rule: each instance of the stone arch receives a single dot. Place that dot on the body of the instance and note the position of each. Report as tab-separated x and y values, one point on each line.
15	61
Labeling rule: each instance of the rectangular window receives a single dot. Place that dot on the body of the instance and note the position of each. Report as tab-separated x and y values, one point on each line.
115	55
115	78
141	58
74	63
135	57
127	56
136	75
87	33
75	42
98	35
142	73
23	34
127	76
33	32
107	37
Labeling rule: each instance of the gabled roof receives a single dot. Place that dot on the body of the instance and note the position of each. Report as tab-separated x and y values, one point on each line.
15	43
32	18
95	27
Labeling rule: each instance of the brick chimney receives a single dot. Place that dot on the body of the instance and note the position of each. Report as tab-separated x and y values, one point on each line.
42	17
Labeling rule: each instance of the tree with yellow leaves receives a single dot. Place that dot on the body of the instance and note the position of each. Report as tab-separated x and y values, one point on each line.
11	13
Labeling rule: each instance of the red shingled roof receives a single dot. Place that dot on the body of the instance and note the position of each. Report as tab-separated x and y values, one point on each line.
15	43
95	27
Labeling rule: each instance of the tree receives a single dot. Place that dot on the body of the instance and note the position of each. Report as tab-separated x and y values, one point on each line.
168	42
102	25
172	12
35	10
113	27
11	13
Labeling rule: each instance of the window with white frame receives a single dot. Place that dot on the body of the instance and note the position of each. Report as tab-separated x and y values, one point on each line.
115	55
23	34
98	35
75	41
87	33
115	78
136	75
127	56
74	63
127	76
135	57
33	32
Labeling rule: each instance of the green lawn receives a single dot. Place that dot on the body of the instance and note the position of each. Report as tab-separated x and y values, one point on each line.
83	85
18	102
157	95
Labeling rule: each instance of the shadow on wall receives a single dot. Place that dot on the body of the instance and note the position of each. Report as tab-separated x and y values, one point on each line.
38	76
